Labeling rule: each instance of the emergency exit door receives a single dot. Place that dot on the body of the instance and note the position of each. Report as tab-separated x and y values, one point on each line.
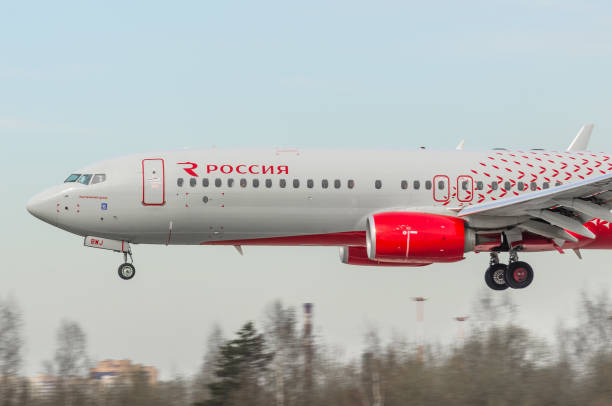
441	192
465	188
153	182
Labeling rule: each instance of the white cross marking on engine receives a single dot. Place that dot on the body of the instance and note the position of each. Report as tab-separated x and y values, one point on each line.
407	234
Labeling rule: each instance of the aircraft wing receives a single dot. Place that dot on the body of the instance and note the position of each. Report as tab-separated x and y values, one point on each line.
587	197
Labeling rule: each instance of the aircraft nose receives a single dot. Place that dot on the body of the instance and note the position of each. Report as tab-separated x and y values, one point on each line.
40	206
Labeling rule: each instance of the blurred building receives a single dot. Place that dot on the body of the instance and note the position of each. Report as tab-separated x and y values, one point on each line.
112	371
43	385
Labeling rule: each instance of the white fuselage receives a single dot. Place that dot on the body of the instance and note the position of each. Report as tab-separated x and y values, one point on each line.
196	197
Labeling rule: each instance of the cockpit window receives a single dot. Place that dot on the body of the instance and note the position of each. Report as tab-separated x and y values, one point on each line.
84	179
98	178
72	178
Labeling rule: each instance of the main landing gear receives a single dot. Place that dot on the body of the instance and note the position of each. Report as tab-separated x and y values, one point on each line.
127	270
516	275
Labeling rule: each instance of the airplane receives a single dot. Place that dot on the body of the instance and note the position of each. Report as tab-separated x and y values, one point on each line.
382	208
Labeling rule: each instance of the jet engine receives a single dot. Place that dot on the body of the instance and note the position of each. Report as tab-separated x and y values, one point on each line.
359	256
410	237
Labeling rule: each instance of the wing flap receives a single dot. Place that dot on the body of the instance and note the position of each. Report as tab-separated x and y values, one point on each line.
546	230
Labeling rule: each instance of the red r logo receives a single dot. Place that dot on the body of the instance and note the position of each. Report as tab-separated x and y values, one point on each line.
191	168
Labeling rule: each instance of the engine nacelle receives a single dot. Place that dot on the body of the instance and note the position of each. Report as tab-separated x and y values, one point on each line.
359	256
417	237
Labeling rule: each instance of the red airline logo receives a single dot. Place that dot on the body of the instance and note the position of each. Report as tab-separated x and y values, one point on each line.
243	169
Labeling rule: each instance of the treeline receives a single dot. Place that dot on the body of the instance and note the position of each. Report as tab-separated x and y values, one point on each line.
497	362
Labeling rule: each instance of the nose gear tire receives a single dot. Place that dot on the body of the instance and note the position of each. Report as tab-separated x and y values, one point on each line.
126	271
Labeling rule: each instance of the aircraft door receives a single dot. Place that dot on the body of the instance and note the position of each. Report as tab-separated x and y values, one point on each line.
153	182
441	186
465	188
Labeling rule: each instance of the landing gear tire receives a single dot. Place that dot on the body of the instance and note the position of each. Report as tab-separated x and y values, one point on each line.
495	277
126	271
519	275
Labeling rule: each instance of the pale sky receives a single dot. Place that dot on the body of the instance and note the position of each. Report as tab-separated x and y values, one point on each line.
80	82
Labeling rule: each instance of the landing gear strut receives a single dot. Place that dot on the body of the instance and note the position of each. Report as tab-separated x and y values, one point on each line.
516	275
127	270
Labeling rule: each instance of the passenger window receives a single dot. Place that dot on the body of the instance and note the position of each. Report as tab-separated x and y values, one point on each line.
282	183
404	184
310	183
378	184
296	183
179	182
464	185
428	185
507	186
72	178
268	183
218	182
243	182
416	185
558	183
324	183
337	184
205	182
84	179
255	183
479	185
545	185
521	186
351	183
193	182
98	178
534	186
494	185
441	185
230	182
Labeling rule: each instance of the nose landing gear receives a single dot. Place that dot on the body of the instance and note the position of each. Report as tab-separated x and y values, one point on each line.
127	270
516	275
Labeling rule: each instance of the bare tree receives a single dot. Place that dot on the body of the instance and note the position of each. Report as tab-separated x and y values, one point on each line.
71	353
11	344
207	372
286	368
70	363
